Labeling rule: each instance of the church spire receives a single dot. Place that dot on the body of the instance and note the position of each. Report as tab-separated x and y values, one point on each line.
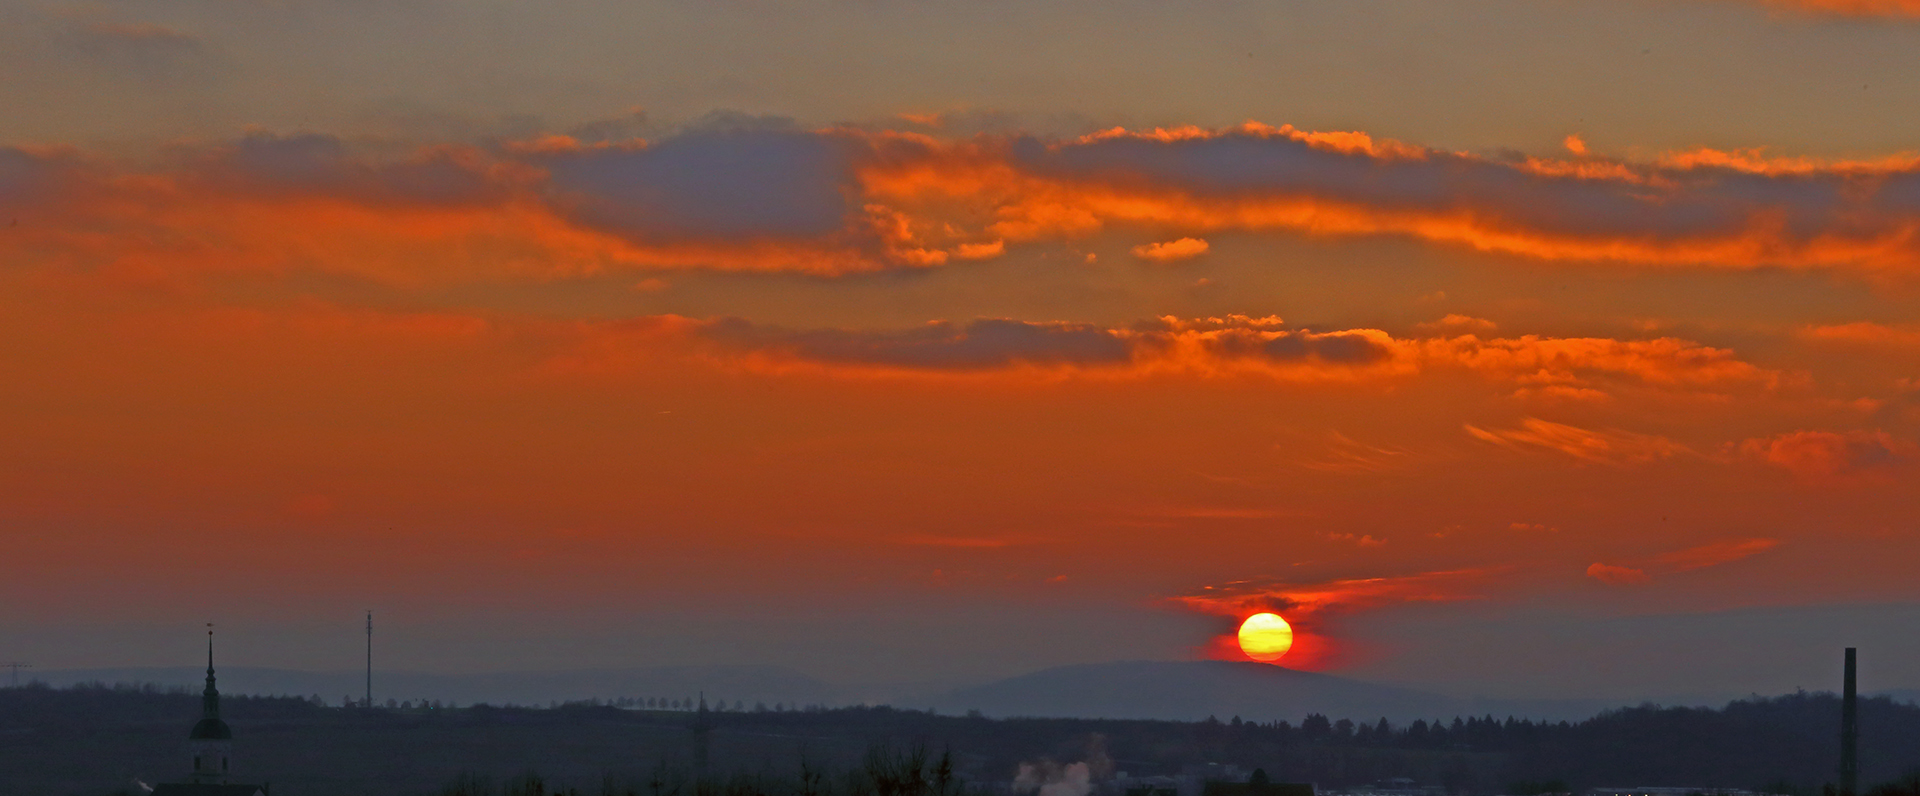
210	698
211	740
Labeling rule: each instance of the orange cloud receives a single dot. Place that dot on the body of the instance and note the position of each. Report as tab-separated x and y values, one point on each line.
1864	333
1689	209
1616	576
1239	346
1715	554
1852	8
960	542
1700	557
1169	251
1826	454
1610	446
1456	322
1304	602
1587	361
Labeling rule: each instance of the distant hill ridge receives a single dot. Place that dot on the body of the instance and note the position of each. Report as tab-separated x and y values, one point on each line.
745	683
1176	690
1194	690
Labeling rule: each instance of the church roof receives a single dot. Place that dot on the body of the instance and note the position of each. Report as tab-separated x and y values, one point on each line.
203	789
210	728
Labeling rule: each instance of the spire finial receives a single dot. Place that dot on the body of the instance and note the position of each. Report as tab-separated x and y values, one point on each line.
210	698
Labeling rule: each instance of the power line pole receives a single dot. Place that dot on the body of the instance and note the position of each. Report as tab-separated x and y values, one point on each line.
16	666
1849	731
369	703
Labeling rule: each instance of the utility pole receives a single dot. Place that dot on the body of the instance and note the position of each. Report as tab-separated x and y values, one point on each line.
369	702
16	666
1849	732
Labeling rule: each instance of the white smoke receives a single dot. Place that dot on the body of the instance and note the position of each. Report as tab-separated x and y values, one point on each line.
144	787
1052	779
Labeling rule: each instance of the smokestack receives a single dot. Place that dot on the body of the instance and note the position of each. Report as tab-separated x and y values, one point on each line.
1849	733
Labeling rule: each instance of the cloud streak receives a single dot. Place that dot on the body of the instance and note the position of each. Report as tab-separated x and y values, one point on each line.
1611	446
1230	347
1712	554
1306	601
1825	455
1851	8
846	200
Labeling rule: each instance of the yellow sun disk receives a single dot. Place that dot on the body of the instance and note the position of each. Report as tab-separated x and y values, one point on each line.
1265	637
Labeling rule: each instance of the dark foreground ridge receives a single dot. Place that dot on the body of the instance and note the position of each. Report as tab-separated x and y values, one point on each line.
96	740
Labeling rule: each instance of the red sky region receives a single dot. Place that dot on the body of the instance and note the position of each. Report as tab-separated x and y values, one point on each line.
920	390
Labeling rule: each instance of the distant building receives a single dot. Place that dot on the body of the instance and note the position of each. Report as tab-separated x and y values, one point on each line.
211	744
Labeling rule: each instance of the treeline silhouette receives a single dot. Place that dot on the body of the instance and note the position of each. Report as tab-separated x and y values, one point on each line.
886	771
90	740
1785	744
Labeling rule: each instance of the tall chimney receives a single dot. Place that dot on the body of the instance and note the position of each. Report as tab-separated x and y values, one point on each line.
1849	733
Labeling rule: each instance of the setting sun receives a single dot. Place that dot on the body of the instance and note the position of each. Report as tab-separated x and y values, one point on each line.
1265	637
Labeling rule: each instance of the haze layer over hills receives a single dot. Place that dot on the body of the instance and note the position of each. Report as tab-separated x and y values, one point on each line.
1171	690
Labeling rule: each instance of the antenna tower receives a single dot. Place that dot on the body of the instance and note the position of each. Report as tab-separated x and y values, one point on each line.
16	666
369	702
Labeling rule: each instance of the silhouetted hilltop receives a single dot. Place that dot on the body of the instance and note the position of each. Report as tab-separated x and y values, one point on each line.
1194	690
1188	691
750	684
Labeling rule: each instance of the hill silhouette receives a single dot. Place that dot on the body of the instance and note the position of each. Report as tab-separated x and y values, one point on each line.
1194	690
757	683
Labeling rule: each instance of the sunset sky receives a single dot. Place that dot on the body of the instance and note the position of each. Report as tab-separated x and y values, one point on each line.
1506	347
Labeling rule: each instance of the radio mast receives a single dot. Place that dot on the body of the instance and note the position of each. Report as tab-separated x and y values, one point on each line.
369	702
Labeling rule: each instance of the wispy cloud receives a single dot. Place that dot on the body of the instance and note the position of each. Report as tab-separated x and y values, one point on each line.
963	542
1818	455
1345	454
1712	554
1240	346
1169	251
1851	8
1609	446
1616	575
1304	601
1864	333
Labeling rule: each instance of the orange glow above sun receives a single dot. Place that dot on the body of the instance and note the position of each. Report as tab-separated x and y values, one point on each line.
1265	637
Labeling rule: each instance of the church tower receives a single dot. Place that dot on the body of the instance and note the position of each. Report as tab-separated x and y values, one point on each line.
211	743
211	740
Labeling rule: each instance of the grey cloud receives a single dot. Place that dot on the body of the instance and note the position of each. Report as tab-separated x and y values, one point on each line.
975	345
1265	339
21	175
1342	348
28	178
752	183
139	49
322	164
